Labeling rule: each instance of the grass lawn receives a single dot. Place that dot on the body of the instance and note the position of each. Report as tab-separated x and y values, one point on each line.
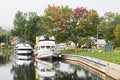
108	56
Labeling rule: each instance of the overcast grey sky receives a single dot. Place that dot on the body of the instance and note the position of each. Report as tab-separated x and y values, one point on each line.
8	8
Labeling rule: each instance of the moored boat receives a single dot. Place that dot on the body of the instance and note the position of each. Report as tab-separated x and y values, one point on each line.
46	48
23	50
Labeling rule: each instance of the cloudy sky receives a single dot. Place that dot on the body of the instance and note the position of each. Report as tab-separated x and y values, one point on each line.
8	8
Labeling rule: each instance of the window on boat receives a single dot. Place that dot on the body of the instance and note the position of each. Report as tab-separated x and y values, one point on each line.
49	70
43	70
52	46
48	47
42	47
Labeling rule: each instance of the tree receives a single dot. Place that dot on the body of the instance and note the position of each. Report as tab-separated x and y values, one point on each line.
19	24
26	25
107	26
117	35
93	22
110	26
2	35
68	25
56	20
76	22
83	24
34	28
102	28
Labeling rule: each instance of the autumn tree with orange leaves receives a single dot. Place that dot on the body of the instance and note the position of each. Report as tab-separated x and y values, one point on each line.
69	25
56	21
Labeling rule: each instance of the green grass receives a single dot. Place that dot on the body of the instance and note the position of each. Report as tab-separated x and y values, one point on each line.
108	56
1	48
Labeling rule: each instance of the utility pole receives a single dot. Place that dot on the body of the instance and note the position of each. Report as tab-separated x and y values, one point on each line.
97	32
6	46
97	36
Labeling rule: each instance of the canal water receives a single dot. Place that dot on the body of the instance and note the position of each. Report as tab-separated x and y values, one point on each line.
43	70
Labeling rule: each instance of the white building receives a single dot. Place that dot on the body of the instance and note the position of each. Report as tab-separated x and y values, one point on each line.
100	43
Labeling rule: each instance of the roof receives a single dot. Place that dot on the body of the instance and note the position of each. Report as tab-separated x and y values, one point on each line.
101	41
14	40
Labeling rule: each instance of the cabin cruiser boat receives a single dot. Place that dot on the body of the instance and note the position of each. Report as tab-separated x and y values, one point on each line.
23	50
46	48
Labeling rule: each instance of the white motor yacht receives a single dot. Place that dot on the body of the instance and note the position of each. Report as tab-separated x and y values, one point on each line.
23	50
46	48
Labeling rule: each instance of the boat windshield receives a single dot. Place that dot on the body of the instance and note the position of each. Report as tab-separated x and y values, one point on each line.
48	47
52	47
42	47
45	47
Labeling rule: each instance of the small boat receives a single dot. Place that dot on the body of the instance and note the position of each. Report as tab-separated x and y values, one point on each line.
46	48
23	50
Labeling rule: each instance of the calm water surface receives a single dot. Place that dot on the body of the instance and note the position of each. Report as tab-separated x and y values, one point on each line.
43	70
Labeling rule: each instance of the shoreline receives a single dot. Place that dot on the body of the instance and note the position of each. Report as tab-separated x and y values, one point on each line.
107	70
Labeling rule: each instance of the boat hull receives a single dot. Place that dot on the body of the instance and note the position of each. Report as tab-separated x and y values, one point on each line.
47	56
23	57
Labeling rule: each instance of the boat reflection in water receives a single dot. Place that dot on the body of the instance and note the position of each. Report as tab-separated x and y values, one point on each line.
60	70
50	70
22	63
46	70
23	70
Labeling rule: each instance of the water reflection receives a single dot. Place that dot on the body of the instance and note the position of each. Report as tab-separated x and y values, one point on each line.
46	70
73	72
58	70
3	60
23	70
